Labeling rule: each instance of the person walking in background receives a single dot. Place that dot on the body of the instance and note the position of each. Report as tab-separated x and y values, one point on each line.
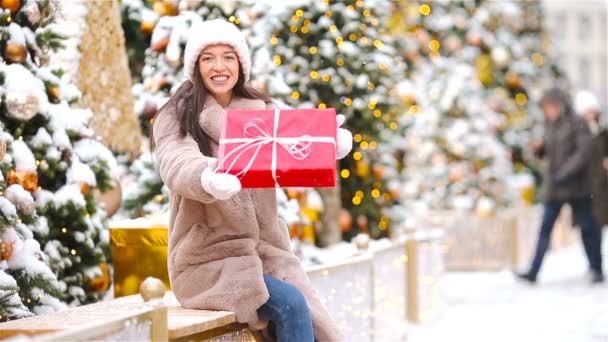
587	105
566	146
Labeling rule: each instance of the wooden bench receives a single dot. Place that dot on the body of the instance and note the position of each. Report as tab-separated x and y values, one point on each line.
168	321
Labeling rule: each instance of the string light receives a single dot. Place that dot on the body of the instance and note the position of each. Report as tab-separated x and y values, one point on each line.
295	95
345	173
37	162
340	62
356	200
293	29
393	126
322	105
363	40
377	113
373	145
364	145
274	40
375	193
367	13
521	99
73	252
328	14
434	45
159	198
357	138
352	37
299	12
64	230
424	9
232	18
304	29
333	28
313	50
357	155
277	60
325	78
314	74
359	3
538	59
371	86
378	44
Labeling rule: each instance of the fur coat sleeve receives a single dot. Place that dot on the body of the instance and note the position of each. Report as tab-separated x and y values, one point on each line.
179	160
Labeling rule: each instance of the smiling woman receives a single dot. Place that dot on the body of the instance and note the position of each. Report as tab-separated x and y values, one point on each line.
228	250
219	68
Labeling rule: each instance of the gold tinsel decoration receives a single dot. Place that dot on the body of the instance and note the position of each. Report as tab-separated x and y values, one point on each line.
105	80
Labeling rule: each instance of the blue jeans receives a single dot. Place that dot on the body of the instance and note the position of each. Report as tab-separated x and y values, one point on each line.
591	236
287	312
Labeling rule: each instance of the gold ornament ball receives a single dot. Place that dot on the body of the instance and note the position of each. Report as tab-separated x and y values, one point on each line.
147	26
6	250
53	91
165	8
345	220
362	223
15	53
152	288
11	5
378	171
28	180
111	198
102	282
161	45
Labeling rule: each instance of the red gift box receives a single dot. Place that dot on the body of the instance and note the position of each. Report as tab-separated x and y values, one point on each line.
279	148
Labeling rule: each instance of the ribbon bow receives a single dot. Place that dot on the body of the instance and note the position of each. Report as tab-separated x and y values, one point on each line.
257	136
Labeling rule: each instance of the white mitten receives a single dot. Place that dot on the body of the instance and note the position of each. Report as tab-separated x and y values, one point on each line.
344	139
222	186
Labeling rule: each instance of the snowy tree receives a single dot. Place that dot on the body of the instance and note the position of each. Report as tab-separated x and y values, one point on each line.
478	68
52	165
335	55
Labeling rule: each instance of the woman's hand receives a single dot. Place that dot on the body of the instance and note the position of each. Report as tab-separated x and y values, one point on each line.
344	139
222	186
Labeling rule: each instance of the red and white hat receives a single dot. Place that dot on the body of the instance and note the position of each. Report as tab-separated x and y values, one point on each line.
217	31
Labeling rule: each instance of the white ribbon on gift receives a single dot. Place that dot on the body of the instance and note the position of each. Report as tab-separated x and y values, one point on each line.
257	137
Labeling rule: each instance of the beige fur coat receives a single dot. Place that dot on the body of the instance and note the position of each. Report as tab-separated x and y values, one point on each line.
219	250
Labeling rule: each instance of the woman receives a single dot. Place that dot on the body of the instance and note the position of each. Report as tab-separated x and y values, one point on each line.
227	248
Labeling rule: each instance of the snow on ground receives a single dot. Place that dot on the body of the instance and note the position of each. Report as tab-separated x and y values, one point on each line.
562	306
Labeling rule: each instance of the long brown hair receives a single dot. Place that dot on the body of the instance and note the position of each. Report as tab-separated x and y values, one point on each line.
189	100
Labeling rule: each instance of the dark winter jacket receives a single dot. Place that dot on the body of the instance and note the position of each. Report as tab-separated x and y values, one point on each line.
567	153
599	177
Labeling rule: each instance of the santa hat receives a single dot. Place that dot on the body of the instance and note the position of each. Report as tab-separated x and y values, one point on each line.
586	102
217	31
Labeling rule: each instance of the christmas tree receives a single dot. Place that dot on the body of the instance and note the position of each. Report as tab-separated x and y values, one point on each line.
335	55
52	167
478	69
166	24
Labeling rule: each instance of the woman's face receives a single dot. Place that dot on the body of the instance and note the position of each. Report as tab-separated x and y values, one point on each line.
219	66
